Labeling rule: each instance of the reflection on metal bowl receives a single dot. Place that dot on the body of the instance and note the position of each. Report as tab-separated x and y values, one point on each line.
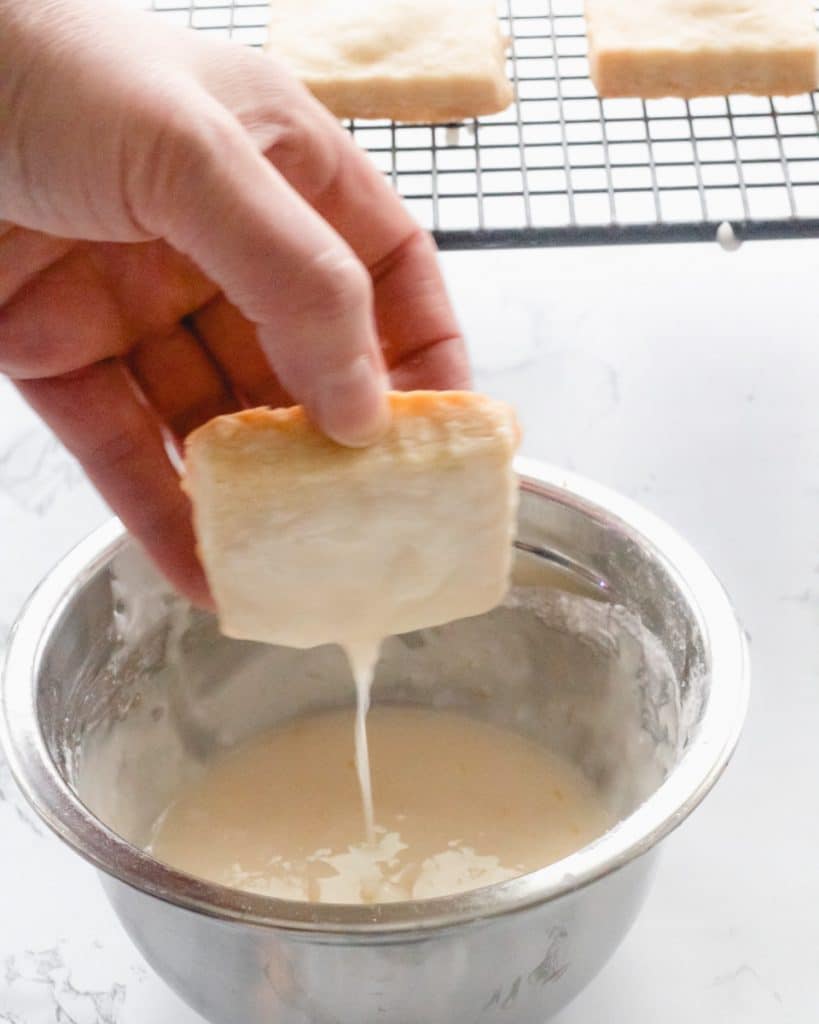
616	648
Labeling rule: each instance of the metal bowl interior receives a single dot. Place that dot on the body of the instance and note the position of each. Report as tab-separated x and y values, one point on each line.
617	645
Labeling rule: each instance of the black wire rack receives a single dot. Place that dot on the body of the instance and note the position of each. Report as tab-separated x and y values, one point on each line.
562	167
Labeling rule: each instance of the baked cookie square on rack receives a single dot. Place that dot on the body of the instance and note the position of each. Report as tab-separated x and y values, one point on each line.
406	60
688	48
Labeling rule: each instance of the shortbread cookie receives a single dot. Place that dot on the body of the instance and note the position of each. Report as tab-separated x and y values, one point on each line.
688	48
408	60
307	542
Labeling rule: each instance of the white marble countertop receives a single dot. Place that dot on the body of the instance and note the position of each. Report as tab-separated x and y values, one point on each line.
683	377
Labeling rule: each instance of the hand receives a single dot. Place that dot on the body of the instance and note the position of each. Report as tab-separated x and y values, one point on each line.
185	232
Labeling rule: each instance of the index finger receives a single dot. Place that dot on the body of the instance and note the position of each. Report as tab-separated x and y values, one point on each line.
415	320
318	158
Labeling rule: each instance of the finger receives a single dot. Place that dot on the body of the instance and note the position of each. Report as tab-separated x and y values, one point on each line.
232	342
180	381
439	367
59	321
94	304
100	418
320	160
413	311
275	258
24	254
419	336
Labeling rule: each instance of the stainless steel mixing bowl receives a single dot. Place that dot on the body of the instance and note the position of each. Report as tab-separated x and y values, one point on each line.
617	647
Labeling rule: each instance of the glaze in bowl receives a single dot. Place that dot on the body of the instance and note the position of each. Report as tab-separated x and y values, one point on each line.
617	648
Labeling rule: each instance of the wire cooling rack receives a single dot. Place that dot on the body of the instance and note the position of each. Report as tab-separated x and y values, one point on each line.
562	167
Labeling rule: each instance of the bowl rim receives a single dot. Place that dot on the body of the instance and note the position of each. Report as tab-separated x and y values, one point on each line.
692	778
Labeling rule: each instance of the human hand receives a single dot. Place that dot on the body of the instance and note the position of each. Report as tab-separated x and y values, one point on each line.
184	231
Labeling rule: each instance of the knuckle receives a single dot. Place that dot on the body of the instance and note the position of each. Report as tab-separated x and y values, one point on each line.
115	450
304	152
425	244
24	356
22	363
339	285
177	141
417	249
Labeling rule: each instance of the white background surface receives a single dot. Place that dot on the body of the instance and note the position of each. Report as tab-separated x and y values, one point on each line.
683	377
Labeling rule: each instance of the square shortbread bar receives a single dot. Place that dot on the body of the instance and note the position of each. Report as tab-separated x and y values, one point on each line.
687	48
407	60
305	542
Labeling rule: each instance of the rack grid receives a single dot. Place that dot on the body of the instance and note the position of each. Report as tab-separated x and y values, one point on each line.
562	167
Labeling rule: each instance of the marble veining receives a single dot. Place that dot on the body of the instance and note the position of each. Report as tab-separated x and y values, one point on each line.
684	377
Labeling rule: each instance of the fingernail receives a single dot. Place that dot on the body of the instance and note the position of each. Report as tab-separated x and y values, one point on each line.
351	404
